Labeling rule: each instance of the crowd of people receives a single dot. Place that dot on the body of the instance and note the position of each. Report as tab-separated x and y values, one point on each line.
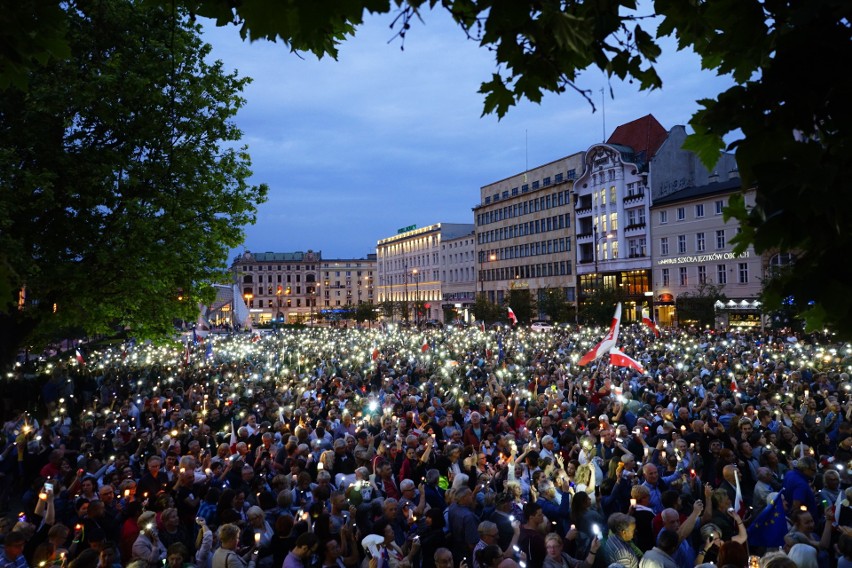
399	448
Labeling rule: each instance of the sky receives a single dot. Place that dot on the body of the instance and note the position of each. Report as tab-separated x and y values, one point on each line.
382	138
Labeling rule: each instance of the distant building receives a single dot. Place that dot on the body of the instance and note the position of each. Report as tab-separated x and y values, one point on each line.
458	275
612	206
524	232
288	286
409	267
692	253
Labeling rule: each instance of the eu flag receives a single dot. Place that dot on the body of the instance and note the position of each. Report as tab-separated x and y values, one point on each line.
770	526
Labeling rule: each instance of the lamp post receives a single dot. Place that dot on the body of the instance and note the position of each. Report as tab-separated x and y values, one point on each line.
416	275
248	296
595	246
405	283
491	257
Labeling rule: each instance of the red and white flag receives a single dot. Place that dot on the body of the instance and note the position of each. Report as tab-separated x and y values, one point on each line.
512	316
607	343
734	386
425	347
234	440
646	319
739	504
375	353
620	359
79	357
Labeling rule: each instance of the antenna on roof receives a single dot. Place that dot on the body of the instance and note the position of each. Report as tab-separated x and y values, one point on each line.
526	153
603	109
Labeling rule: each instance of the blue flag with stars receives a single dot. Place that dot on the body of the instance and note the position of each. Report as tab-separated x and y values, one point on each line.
770	526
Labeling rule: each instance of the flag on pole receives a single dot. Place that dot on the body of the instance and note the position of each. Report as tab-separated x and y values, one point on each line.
500	353
209	351
770	526
512	316
194	337
618	358
607	343
739	505
79	356
233	442
646	319
734	386
425	347
375	354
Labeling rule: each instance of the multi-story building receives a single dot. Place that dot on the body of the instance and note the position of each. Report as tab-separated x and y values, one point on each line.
458	275
524	232
346	283
288	286
692	252
409	267
612	204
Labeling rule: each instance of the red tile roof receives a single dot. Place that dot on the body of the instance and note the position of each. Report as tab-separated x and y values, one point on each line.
643	135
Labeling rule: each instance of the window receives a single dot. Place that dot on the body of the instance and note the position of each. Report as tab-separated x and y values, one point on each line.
631	217
545	182
665	277
557	178
699	242
613	221
702	274
614	249
682	275
681	213
743	273
699	211
720	204
681	244
721	274
720	239
664	246
535	184
612	194
664	217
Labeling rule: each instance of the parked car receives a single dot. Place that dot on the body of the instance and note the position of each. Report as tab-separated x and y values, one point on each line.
541	326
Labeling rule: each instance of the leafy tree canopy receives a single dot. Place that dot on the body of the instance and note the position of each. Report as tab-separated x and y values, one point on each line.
123	186
789	107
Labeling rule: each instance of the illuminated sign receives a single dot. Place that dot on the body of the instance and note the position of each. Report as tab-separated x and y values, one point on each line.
702	258
406	229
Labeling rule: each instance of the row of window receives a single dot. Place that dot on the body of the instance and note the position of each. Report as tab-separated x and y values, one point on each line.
269	267
535	227
297	302
536	184
543	270
459	275
680	212
552	246
700	243
683	274
541	203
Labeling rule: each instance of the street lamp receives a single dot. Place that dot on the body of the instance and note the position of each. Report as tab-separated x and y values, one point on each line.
597	240
491	258
416	275
248	297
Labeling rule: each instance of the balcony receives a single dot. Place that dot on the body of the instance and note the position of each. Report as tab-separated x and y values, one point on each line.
634	227
585	235
636	197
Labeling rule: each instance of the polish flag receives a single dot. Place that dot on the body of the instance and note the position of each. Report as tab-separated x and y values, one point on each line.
512	317
375	353
734	386
607	343
620	359
425	346
646	319
739	504
234	440
79	357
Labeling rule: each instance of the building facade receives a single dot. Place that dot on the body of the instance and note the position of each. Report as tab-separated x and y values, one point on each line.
458	276
612	205
409	268
692	254
525	232
288	286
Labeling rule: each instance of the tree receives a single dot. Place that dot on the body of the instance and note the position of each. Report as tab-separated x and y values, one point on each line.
522	303
388	308
697	308
366	312
789	108
123	186
487	311
598	307
552	302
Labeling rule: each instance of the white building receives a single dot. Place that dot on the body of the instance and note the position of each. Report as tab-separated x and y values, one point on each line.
409	267
458	275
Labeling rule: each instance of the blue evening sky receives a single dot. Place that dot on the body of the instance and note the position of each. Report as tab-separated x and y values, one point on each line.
380	139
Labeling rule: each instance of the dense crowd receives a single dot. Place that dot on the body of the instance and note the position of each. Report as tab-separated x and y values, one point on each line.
399	448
